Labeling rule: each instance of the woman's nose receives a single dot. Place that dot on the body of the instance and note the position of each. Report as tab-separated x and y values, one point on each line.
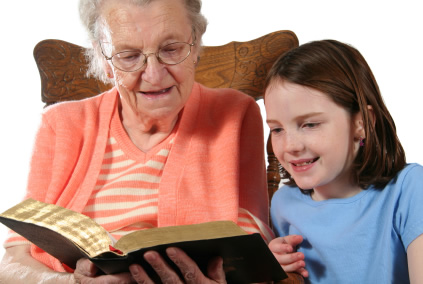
154	70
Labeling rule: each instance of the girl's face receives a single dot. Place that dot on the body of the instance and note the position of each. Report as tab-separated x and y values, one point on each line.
314	139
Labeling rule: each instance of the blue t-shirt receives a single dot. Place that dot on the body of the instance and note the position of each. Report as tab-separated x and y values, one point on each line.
361	239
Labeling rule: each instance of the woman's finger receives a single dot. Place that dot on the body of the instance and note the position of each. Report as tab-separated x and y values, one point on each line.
163	270
188	268
140	275
192	273
84	267
215	270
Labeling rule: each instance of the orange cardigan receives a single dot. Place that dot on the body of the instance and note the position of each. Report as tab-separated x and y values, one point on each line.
216	164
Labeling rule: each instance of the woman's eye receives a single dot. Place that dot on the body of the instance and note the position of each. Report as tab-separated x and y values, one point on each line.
168	50
129	56
172	50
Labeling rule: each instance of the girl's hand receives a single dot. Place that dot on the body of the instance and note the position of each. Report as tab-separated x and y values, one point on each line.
189	269
283	249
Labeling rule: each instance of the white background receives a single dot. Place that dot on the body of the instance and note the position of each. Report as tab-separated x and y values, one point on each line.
387	33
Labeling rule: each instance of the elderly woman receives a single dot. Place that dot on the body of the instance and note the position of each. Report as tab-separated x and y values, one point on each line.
156	150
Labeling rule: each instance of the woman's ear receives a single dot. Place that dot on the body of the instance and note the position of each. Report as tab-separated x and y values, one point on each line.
108	69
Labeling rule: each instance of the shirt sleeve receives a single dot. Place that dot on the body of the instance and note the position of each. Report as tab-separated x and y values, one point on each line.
251	224
14	239
409	216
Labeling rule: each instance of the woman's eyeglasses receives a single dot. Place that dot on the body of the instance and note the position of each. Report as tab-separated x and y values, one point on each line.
170	54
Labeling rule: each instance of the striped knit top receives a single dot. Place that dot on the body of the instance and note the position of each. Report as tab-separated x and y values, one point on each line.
125	198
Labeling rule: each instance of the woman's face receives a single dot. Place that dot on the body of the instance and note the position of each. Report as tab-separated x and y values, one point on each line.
314	139
156	91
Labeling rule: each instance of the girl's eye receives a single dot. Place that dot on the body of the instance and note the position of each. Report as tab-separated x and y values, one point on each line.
311	125
276	130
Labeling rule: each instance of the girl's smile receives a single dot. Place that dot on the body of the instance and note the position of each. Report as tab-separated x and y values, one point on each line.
303	164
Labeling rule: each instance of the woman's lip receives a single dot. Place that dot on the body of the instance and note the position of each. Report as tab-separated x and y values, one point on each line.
156	93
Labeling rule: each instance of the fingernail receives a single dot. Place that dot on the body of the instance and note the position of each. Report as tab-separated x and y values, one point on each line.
171	252
150	256
134	269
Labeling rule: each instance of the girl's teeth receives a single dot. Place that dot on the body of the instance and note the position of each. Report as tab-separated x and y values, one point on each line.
306	163
303	164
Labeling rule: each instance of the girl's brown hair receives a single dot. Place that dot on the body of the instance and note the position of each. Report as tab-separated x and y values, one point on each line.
341	72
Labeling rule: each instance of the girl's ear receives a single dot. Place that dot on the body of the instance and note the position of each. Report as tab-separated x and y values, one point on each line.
358	124
372	117
359	131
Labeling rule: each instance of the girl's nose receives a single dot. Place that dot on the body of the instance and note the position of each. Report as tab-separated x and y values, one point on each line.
292	142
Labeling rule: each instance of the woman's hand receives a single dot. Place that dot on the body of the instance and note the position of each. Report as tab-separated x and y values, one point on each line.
283	249
188	268
86	271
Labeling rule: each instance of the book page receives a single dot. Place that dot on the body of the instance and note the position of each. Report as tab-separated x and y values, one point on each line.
78	228
172	234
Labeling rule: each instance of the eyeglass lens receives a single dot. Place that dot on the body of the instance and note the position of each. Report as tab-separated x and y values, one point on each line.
170	54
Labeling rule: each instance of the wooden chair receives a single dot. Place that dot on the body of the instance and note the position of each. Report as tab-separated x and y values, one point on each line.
239	65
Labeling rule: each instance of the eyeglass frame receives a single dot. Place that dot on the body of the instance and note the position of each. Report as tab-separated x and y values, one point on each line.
148	54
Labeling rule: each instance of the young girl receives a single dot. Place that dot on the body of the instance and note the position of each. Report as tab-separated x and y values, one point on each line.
350	211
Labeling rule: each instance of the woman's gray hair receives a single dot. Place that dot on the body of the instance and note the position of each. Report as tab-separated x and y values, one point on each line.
90	14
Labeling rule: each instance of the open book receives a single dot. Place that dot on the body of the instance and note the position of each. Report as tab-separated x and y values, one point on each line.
68	236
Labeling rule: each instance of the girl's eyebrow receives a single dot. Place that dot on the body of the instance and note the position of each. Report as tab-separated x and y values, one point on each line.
271	121
300	117
308	115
